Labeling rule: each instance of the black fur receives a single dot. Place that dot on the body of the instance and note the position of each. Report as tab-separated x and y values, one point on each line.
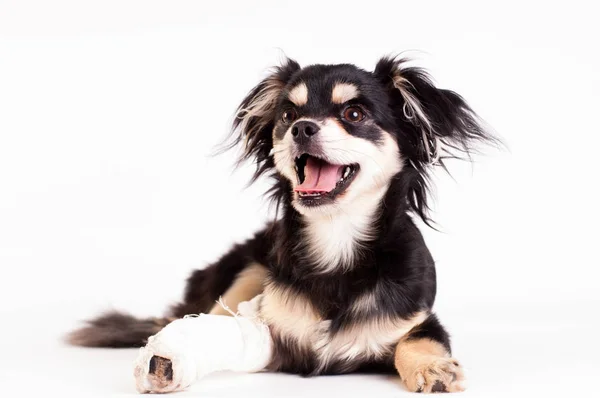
205	286
116	330
203	289
259	145
453	122
432	329
289	357
396	265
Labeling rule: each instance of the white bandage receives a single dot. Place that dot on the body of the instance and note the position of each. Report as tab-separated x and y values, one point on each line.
199	345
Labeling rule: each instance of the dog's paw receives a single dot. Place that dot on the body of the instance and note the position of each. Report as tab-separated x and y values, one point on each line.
439	374
160	373
163	366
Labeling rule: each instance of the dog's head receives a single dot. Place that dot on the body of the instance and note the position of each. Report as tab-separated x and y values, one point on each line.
337	134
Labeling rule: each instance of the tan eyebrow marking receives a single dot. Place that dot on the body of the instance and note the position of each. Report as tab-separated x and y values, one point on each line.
299	94
343	92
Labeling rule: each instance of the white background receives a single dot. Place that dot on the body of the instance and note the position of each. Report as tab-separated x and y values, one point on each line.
109	112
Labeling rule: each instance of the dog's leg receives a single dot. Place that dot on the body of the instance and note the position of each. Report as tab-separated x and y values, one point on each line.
237	276
248	284
193	347
424	362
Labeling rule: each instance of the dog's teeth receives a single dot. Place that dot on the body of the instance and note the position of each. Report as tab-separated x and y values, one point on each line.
346	172
309	194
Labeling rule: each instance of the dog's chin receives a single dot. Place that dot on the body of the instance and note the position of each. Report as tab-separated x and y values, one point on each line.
327	205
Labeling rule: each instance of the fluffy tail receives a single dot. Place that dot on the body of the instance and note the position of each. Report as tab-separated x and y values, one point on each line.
116	330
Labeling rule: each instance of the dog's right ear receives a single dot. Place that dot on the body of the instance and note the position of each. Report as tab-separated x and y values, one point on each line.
255	117
435	124
437	119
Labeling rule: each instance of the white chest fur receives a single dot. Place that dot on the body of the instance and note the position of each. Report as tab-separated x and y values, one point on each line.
334	240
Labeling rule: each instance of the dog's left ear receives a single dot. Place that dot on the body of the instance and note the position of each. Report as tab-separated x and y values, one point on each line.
435	119
255	117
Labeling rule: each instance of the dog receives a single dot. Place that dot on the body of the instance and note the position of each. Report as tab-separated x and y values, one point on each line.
342	277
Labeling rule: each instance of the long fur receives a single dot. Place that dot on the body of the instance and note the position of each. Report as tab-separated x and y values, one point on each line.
433	114
428	113
336	311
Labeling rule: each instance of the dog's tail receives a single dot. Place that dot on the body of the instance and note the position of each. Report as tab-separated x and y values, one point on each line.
117	330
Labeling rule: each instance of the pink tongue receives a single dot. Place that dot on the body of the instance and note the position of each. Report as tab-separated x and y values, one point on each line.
319	176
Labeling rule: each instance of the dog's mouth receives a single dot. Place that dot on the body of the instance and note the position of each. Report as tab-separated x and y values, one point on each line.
320	181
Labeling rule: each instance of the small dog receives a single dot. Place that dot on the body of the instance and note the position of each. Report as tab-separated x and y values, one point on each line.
342	278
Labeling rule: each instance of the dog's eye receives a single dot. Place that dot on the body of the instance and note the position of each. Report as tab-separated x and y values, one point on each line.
289	116
354	114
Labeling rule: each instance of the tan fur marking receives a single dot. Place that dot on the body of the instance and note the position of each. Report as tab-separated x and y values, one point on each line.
425	366
299	94
373	338
343	92
247	285
289	314
365	303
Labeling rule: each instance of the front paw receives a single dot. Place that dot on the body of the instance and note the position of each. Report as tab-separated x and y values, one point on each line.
438	374
160	374
163	366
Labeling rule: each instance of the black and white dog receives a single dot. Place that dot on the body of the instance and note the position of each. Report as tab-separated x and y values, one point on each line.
342	279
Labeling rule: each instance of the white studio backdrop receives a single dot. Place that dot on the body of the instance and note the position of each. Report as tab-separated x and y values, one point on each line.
109	112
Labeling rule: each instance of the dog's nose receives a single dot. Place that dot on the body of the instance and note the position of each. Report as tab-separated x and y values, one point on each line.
303	130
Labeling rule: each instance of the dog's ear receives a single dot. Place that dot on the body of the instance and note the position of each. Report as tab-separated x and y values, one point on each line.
255	117
439	122
434	124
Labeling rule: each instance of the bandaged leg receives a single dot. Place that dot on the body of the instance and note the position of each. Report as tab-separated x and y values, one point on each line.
190	348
